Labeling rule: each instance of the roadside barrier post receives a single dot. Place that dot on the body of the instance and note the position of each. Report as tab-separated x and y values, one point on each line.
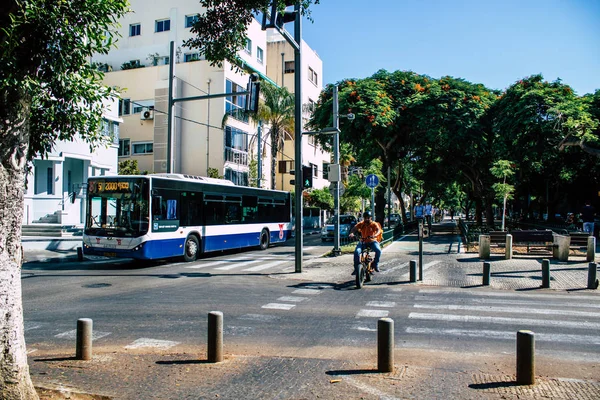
79	254
385	345
83	349
591	249
525	358
484	246
421	249
413	271
508	251
486	273
592	282
215	336
545	273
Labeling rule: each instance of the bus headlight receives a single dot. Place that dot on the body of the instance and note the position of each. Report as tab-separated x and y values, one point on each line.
138	247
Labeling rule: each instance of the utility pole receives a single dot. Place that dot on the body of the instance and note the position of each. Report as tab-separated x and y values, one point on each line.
336	161
259	166
298	133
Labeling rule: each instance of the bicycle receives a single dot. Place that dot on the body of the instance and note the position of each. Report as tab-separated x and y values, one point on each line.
365	269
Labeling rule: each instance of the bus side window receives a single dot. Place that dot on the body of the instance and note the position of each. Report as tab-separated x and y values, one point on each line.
157	207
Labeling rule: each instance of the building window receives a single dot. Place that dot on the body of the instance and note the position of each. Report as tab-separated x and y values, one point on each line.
190	20
234	105
236	139
325	170
260	55
135	29
315	170
248	47
142	148
188	57
139	106
124	149
289	67
50	181
124	107
285	166
312	76
239	178
162	25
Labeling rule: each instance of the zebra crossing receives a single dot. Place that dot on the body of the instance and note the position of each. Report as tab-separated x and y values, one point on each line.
565	322
248	262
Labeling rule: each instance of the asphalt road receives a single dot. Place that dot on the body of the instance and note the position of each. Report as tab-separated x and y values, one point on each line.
165	305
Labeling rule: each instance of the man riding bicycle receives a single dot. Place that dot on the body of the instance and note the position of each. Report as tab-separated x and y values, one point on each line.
370	232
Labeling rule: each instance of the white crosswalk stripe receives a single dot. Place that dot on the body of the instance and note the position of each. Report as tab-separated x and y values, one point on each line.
503	320
264	266
520	310
506	335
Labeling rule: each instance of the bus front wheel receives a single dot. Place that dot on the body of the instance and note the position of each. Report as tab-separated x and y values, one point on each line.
192	247
264	239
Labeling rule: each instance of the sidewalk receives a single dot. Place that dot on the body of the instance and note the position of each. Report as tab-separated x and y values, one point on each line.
345	371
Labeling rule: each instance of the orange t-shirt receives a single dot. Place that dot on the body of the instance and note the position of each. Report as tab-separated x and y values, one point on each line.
372	229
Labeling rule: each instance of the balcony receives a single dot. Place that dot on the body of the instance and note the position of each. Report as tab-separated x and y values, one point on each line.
236	156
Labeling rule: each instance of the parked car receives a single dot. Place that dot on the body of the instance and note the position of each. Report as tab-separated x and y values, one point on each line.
347	222
395	219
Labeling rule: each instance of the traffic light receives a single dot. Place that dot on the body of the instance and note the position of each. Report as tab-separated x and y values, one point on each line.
254	89
276	19
307	177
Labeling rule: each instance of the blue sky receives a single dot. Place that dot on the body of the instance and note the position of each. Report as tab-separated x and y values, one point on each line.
494	42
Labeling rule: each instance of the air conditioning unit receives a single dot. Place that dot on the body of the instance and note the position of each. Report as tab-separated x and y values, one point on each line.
147	113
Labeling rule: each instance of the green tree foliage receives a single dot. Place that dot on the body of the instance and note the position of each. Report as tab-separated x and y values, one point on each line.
214	173
48	92
129	167
320	198
277	110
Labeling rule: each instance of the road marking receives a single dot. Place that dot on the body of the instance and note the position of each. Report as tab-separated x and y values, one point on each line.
30	325
307	291
210	264
145	342
292	299
518	302
279	306
381	304
364	328
372	313
506	335
264	266
237	263
387	271
520	310
308	248
502	320
72	335
259	317
520	295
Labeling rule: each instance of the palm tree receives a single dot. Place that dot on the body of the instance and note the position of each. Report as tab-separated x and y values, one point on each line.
277	110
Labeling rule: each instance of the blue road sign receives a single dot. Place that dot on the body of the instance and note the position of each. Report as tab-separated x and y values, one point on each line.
372	181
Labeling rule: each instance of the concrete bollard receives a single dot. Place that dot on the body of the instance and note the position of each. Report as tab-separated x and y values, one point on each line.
508	251
560	251
487	268
484	246
385	345
83	349
215	336
79	254
591	249
413	270
525	358
545	273
592	282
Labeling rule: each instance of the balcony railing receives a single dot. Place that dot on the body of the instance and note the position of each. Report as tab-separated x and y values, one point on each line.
236	156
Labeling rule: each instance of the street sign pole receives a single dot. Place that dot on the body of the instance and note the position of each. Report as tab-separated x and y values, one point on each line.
336	185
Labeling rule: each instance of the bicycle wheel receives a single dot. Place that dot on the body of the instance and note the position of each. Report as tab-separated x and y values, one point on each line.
360	276
368	274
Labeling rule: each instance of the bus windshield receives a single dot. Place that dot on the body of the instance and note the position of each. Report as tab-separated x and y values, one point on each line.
117	207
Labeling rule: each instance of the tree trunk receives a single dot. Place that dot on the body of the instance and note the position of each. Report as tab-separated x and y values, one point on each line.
14	370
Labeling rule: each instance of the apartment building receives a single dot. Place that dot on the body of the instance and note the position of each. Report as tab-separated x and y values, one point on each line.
281	69
206	134
55	192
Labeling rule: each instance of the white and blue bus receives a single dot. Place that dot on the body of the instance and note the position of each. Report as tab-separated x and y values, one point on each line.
172	215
